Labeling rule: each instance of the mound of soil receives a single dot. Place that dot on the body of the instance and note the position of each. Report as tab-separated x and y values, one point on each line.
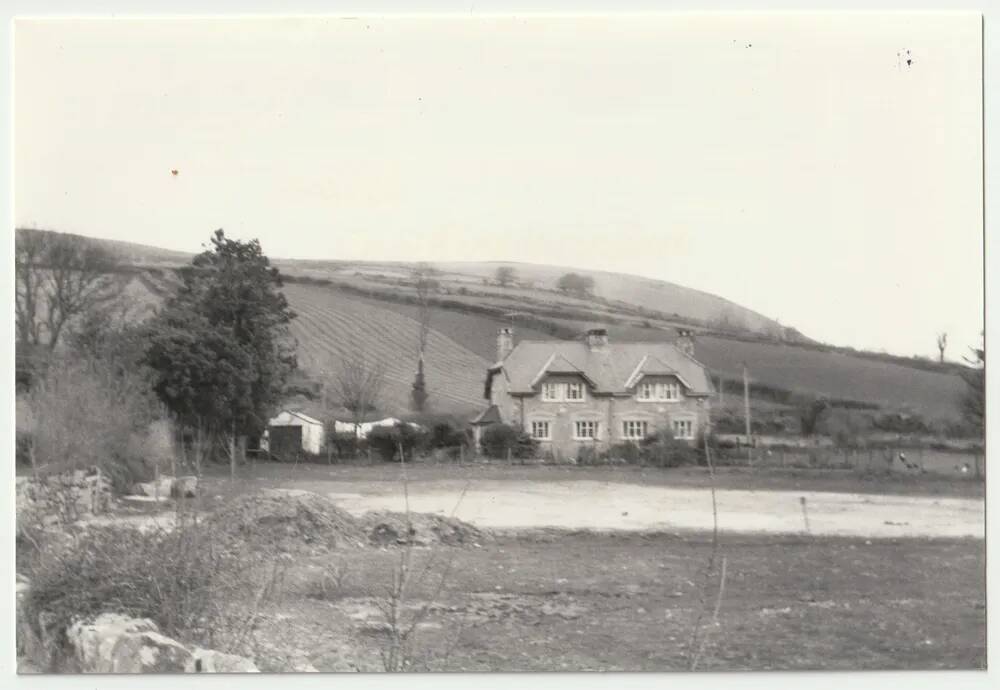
290	519
385	528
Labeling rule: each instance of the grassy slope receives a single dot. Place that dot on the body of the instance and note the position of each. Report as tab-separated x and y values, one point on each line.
634	290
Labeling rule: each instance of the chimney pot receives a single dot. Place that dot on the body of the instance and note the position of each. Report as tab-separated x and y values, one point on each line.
597	338
505	343
685	341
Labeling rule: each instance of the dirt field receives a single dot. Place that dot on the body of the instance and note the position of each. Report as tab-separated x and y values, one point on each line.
546	595
556	601
614	499
605	506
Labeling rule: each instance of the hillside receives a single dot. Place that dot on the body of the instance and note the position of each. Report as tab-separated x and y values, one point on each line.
615	295
373	304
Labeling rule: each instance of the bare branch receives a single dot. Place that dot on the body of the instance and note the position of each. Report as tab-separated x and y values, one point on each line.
356	382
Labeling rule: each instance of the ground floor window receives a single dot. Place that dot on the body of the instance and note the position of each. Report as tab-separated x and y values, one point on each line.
634	429
540	431
683	428
586	429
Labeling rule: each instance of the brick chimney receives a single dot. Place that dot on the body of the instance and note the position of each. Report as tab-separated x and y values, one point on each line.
597	338
685	341
505	343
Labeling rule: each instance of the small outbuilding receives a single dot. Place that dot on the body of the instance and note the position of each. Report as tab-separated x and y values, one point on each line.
293	433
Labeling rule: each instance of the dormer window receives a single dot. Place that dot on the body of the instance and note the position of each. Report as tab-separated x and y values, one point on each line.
659	392
563	392
552	392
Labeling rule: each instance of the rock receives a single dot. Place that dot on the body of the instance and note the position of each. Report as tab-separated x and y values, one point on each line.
159	487
185	487
211	661
136	499
148	652
94	643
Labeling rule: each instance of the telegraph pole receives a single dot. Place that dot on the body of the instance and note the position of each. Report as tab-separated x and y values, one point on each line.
746	410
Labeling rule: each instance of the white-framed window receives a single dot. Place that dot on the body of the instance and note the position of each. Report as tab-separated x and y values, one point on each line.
683	428
669	391
659	392
634	429
541	431
647	391
585	429
575	392
552	392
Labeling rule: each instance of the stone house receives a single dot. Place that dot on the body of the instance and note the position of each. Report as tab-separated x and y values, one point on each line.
592	392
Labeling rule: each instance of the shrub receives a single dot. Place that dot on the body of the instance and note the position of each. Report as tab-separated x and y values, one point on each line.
499	440
343	444
446	435
387	441
93	416
589	455
627	452
661	449
901	423
443	430
196	584
22	448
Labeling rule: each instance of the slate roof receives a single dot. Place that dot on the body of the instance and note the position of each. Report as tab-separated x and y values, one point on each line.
612	369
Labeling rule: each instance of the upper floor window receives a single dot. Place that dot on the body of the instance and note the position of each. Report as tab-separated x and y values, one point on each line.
659	392
574	391
552	391
563	392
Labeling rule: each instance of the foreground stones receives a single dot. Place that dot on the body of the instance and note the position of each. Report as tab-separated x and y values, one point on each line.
168	487
116	643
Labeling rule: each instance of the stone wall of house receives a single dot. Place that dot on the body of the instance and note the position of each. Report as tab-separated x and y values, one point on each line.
63	498
609	413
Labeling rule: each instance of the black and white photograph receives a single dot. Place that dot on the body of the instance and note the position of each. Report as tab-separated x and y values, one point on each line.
383	343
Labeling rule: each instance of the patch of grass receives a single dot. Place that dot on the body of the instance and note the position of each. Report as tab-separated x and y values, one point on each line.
379	477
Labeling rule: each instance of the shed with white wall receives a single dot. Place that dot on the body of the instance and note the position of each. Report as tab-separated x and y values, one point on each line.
294	432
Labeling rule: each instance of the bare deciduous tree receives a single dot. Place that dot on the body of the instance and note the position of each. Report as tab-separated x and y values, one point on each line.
59	278
356	382
973	400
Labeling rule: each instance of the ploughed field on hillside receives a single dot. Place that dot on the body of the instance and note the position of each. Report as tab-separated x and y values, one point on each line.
331	325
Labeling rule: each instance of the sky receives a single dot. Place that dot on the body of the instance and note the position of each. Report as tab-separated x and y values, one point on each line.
825	170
